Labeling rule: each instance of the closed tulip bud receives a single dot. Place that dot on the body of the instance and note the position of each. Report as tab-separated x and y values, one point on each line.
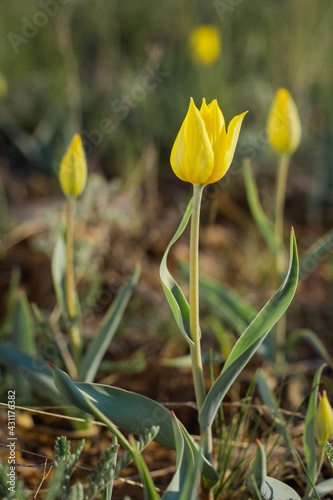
324	420
73	169
283	125
204	149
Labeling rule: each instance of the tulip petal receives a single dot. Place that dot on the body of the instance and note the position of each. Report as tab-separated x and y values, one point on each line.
225	148
214	121
192	157
73	168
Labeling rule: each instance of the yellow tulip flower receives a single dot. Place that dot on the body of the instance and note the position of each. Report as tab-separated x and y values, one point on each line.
204	149
324	420
73	169
283	124
205	44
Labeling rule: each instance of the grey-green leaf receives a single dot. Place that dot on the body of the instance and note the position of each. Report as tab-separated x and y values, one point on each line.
128	410
177	301
251	339
23	332
309	443
98	346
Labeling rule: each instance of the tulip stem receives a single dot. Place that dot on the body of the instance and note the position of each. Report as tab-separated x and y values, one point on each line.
280	255
279	209
197	370
74	333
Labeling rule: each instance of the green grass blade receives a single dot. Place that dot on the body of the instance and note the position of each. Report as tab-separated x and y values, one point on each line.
98	346
58	267
264	224
177	301
118	405
251	339
309	443
313	340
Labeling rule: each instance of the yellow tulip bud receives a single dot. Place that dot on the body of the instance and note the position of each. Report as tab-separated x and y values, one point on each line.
73	169
205	44
283	124
203	150
324	420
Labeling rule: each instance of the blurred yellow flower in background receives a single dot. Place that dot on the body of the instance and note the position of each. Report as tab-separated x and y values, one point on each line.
205	44
283	124
3	86
204	149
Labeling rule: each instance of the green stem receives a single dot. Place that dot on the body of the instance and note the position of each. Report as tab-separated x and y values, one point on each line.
280	255
70	285
279	209
74	332
197	370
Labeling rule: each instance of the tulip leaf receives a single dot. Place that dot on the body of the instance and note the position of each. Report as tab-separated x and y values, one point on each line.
312	339
268	488
23	332
98	346
32	369
264	224
184	463
131	448
309	443
251	339
177	301
129	411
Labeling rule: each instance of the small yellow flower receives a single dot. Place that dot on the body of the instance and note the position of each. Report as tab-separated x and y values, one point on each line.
205	44
324	420
283	124
73	169
204	149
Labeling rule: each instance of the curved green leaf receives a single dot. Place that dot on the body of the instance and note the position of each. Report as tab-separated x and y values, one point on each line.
309	443
251	339
32	369
268	487
177	301
98	346
264	224
129	411
131	448
23	332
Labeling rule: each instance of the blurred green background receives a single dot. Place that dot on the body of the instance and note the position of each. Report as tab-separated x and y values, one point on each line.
121	73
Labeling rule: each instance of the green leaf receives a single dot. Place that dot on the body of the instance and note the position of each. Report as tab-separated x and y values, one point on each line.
309	443
264	224
130	447
184	463
251	339
127	410
32	369
316	253
177	301
98	346
325	487
23	333
268	487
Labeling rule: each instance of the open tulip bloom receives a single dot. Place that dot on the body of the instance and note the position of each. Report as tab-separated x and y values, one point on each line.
204	149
